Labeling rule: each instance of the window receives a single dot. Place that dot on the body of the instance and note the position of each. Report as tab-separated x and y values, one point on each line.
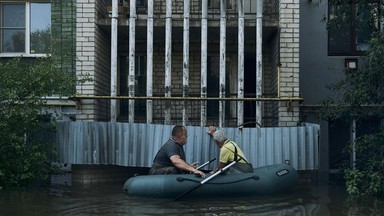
25	28
350	64
351	27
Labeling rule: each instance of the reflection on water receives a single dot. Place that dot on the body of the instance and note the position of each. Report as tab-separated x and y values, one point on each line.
110	200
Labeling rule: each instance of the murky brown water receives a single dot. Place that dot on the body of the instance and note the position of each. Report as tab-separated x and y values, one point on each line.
59	199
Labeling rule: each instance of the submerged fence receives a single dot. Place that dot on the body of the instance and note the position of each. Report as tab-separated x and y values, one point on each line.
134	144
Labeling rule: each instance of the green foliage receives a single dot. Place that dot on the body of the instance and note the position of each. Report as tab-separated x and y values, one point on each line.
41	41
361	14
368	177
25	157
360	96
361	93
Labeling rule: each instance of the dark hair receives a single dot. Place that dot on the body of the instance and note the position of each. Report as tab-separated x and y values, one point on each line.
177	129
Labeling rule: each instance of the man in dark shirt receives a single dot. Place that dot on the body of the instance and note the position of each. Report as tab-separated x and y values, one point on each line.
170	159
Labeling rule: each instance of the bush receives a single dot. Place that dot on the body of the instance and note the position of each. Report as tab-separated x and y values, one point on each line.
368	177
25	157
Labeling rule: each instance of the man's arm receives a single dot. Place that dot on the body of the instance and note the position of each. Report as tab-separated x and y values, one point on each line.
220	166
181	164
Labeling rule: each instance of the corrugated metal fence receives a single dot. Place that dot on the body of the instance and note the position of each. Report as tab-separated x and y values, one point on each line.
133	144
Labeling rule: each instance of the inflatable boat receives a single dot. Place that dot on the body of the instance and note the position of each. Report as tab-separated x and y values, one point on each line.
265	180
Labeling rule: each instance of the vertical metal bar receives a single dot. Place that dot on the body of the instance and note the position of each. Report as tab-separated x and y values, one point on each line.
168	60
240	63
353	139
150	61
186	60
131	76
259	61
278	80
223	23
204	50
114	23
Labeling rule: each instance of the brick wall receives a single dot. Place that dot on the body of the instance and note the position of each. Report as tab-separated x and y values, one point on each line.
63	35
275	61
289	58
177	80
93	60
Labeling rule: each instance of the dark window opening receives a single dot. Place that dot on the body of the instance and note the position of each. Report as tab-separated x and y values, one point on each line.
349	31
140	86
250	91
340	139
213	83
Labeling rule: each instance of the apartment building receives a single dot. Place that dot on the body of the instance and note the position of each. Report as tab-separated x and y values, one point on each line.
230	63
192	50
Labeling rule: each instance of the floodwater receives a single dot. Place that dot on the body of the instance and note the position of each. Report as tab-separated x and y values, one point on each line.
67	199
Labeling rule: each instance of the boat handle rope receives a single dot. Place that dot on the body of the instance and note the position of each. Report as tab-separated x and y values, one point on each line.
256	177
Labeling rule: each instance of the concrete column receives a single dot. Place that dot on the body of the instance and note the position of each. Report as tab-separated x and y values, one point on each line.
131	76
259	61
223	26
114	23
150	61
240	62
204	57
168	60
186	61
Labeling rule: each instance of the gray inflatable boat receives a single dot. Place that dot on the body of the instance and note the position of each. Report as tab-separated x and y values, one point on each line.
265	180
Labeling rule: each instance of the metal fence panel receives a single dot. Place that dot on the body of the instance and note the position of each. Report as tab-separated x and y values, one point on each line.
136	144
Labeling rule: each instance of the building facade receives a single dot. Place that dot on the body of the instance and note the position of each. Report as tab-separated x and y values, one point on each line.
229	63
325	57
188	62
182	52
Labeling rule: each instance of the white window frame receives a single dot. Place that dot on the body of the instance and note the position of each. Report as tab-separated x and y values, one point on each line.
27	52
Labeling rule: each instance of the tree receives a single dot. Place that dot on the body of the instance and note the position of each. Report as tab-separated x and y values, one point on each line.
41	41
25	157
361	96
361	93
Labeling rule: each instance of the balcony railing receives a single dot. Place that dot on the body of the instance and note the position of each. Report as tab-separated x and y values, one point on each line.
270	8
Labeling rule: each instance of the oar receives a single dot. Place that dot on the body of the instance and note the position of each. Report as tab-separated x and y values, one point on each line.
205	164
207	179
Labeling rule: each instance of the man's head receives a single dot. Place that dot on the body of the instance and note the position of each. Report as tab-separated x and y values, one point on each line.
220	137
179	134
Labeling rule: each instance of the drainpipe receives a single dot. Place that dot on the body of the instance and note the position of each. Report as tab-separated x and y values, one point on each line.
114	23
259	60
